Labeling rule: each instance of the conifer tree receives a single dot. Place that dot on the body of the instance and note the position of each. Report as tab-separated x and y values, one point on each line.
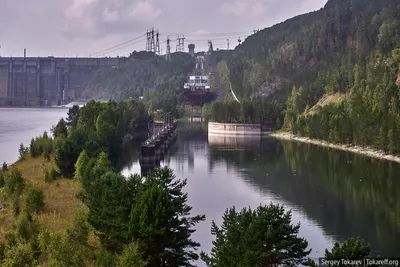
161	223
109	199
260	237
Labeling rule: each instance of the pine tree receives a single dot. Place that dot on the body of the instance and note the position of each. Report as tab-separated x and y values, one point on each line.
22	152
33	149
102	166
81	168
66	155
160	220
351	249
261	237
131	256
109	199
73	116
60	130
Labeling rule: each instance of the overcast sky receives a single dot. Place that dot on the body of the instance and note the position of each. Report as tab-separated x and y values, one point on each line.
87	27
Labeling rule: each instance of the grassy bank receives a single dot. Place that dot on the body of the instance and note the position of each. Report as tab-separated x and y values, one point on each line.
355	149
60	197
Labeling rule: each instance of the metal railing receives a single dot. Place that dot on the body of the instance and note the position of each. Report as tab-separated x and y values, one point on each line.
156	133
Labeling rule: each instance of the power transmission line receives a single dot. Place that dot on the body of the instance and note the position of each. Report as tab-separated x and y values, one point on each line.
211	33
105	51
128	45
153	45
214	39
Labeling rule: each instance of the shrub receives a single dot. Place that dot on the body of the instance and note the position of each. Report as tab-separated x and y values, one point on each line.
2	182
15	206
46	174
105	258
50	176
352	249
11	239
2	251
79	231
23	151
62	252
34	201
27	228
5	166
23	227
15	183
131	256
44	240
54	174
42	145
46	154
19	255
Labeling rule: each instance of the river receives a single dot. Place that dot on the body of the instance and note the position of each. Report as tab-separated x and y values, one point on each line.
20	125
333	194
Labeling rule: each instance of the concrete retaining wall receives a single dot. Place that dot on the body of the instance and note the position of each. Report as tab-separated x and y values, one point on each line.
234	128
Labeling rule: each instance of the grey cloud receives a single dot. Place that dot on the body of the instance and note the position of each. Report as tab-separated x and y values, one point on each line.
78	26
97	18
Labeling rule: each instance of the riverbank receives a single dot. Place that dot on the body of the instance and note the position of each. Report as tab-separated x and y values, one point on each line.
367	151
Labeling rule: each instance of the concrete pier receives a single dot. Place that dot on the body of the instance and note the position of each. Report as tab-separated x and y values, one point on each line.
154	148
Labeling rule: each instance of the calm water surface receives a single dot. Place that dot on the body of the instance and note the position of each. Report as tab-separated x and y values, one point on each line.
333	194
19	125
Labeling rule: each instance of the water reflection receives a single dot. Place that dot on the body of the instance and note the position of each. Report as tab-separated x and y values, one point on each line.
359	196
234	141
215	183
335	195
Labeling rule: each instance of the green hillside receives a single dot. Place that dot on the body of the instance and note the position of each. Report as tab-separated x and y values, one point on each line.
344	53
142	74
313	49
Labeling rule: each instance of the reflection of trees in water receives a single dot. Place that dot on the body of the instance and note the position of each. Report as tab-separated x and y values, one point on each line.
130	153
326	185
365	183
191	138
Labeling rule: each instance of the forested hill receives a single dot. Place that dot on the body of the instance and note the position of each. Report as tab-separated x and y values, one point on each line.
314	49
142	74
340	68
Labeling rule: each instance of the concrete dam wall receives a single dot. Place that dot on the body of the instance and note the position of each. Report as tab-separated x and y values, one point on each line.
30	81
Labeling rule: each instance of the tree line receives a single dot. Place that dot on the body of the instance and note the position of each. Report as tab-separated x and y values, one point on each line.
367	115
143	74
349	50
146	222
297	50
139	221
265	112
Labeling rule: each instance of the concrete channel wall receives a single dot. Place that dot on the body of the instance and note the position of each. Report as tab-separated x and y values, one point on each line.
234	128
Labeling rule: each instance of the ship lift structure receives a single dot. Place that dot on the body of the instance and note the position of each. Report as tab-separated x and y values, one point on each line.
196	91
